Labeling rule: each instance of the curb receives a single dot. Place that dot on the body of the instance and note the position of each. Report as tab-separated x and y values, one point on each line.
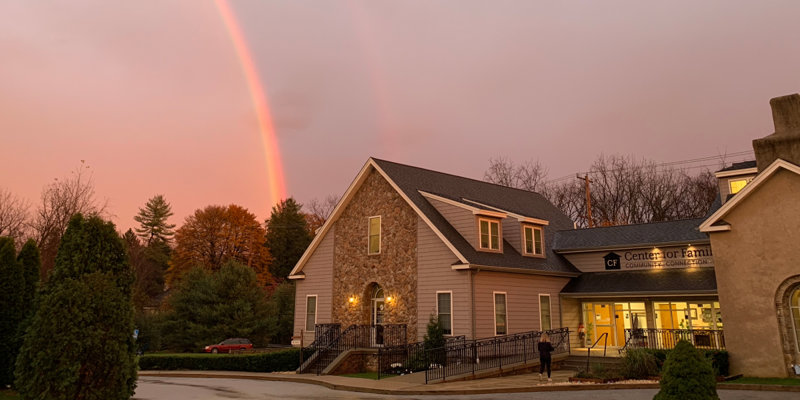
433	391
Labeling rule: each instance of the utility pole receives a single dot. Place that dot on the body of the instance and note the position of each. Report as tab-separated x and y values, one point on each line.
587	181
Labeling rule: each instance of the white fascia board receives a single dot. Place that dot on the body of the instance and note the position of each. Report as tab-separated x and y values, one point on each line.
296	277
708	224
474	210
519	217
736	172
322	231
418	211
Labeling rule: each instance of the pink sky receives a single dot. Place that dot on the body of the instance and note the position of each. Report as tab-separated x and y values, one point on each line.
152	95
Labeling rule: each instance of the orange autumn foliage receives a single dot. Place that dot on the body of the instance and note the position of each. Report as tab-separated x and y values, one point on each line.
214	235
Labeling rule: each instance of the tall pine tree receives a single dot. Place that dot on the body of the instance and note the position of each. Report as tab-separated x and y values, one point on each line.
79	344
153	221
287	237
11	287
31	263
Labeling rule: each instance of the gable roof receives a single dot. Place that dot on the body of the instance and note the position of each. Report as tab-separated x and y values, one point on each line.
627	236
715	222
411	182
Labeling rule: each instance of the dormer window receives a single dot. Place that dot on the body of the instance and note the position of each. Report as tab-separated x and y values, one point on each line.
489	235
533	240
737	184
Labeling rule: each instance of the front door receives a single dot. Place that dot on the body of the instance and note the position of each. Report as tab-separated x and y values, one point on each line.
378	307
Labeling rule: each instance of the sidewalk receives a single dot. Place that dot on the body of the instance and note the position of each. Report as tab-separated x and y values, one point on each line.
414	384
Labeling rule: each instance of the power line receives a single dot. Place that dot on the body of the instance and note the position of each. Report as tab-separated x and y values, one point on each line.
667	164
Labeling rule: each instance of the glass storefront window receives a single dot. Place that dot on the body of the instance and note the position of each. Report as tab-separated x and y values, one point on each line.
687	315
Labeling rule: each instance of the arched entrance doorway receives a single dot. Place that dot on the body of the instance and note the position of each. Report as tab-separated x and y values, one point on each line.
788	301
377	310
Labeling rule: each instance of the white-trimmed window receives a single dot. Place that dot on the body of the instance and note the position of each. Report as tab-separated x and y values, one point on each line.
311	312
500	314
737	184
545	321
374	234
488	234
533	240
444	311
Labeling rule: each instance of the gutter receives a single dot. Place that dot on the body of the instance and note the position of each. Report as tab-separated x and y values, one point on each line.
511	270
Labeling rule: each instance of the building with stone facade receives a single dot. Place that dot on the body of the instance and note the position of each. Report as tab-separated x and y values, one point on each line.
406	243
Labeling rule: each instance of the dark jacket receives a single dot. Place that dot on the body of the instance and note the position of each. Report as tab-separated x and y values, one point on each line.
544	349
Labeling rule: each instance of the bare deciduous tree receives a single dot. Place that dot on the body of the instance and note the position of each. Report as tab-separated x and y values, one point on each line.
319	211
60	201
13	215
529	175
624	190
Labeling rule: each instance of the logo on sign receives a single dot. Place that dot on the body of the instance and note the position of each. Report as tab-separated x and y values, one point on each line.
612	261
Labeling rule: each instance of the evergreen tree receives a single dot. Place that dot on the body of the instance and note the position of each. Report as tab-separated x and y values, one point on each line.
79	344
153	221
149	265
687	375
31	262
11	287
208	307
281	313
287	237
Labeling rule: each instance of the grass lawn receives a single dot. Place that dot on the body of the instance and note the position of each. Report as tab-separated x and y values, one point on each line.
8	395
766	381
365	375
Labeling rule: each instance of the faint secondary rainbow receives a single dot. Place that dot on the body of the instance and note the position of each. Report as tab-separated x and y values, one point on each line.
277	181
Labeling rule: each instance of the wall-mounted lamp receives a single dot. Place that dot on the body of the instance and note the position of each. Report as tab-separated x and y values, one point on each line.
352	299
389	299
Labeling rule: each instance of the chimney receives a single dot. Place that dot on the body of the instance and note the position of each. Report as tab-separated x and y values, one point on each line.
785	142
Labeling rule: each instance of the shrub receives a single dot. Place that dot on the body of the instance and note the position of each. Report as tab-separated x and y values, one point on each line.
639	364
434	341
719	359
79	344
687	375
287	360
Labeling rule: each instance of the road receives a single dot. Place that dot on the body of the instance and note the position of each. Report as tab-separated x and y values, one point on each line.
158	388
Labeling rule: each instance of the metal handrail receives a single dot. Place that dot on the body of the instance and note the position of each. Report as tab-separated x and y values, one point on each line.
589	350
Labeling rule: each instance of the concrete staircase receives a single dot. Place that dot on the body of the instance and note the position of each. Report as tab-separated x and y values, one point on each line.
578	363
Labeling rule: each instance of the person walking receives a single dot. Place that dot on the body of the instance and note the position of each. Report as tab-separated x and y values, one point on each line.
545	348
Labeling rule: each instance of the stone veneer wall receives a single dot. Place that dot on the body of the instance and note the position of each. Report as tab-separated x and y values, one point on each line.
394	269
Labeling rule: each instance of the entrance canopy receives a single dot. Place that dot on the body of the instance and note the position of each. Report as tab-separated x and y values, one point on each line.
656	282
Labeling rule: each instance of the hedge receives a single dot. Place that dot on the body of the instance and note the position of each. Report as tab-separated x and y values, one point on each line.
719	359
288	360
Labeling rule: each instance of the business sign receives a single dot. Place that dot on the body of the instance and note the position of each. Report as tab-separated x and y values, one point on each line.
672	257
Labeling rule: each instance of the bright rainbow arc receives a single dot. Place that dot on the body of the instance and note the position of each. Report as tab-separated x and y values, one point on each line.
277	181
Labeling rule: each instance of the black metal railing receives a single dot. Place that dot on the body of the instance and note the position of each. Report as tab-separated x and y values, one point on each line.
604	337
490	353
653	338
328	346
324	335
408	358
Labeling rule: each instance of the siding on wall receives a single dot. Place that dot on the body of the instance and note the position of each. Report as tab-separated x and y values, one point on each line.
462	220
593	261
512	233
522	298
570	318
434	271
318	281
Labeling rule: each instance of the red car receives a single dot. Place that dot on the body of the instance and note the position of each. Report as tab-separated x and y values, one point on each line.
229	345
